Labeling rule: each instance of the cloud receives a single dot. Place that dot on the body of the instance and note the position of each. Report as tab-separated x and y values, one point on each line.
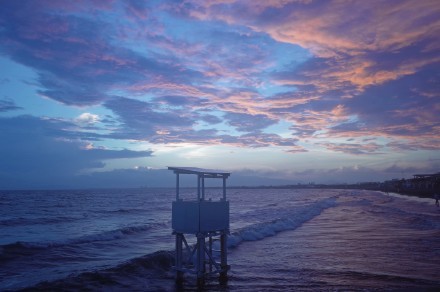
39	152
353	148
140	120
258	139
76	57
365	57
248	123
414	145
331	28
211	119
138	10
404	108
310	123
87	118
8	105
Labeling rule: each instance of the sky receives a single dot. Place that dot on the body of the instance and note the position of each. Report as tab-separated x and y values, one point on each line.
109	93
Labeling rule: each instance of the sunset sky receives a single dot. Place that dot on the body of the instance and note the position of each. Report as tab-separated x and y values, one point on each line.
110	93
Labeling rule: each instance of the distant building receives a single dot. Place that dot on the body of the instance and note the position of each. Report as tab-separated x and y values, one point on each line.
420	184
426	181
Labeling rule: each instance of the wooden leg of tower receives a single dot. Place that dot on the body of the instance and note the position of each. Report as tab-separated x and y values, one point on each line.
200	259
223	256
179	256
210	253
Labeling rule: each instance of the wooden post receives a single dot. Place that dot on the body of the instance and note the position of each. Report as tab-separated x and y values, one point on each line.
179	257
224	256
198	187
210	252
200	257
203	187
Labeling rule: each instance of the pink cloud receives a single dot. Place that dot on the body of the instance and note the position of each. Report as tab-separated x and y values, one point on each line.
346	31
353	148
309	123
415	144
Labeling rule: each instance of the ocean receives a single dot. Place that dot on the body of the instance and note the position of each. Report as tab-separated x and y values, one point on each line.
280	240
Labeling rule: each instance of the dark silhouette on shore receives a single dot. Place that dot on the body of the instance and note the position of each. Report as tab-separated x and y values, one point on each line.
421	185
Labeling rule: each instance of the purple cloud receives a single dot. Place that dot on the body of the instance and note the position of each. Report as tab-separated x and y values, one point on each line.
141	120
354	148
259	139
357	60
34	149
76	58
8	105
248	123
211	119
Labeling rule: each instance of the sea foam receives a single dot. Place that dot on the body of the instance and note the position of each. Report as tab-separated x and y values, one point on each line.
290	220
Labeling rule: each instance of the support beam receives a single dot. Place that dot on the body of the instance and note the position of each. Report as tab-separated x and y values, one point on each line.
224	188
210	253
179	257
177	187
200	256
203	187
198	187
224	256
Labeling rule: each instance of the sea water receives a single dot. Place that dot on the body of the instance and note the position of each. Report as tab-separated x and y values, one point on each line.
280	239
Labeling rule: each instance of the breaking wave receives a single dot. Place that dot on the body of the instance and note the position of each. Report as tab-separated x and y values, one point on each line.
292	220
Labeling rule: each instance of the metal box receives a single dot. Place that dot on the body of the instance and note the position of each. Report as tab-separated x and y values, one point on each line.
200	216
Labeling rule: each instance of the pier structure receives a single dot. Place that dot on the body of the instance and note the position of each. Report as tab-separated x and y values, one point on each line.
207	220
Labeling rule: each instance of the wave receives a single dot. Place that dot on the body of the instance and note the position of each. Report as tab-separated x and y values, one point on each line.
112	234
20	248
295	218
124	211
39	221
64	219
418	219
153	272
141	274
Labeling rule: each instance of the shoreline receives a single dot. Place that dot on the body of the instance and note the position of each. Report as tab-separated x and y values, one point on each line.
422	193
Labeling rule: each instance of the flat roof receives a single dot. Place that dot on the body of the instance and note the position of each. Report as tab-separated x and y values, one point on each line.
428	175
202	171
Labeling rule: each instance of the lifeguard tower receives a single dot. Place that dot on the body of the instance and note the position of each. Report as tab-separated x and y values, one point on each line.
207	220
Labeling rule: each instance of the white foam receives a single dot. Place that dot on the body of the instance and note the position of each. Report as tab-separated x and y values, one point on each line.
291	221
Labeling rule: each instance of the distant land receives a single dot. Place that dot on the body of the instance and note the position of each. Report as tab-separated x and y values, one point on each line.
422	185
